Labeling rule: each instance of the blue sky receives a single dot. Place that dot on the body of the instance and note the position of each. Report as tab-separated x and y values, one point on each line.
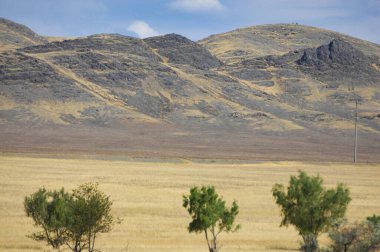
195	19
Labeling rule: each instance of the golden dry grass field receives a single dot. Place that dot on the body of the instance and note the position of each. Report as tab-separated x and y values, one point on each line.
147	194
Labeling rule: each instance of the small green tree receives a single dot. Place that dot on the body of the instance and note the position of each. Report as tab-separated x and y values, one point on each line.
49	210
210	215
73	220
90	215
310	207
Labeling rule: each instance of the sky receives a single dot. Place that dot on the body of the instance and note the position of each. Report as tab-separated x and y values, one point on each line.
195	19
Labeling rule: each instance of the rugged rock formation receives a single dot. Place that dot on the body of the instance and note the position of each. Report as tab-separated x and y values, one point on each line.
339	61
336	52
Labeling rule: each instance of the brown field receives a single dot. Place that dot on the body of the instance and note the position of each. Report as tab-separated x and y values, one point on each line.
147	194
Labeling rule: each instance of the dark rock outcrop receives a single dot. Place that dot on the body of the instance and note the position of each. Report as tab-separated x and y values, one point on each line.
27	79
336	52
180	50
339	62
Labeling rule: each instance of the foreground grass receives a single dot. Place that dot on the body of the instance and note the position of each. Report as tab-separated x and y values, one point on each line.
148	196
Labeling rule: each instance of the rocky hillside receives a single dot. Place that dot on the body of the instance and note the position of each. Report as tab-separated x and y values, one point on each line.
262	40
286	80
13	35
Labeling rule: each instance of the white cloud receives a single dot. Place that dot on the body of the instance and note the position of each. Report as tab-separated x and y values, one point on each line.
142	29
197	5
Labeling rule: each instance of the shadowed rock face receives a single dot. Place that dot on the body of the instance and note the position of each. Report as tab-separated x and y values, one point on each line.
27	80
336	52
339	61
180	50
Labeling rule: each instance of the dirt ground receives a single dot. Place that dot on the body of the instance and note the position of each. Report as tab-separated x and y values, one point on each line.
169	141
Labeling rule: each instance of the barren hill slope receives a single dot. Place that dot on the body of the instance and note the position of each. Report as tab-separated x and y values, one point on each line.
170	96
13	35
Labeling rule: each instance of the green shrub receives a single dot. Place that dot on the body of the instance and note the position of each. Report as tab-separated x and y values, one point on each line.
311	208
70	220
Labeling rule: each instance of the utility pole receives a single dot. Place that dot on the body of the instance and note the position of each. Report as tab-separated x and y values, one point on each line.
356	122
356	129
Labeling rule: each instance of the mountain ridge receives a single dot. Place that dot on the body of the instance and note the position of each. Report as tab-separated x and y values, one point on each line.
197	89
260	37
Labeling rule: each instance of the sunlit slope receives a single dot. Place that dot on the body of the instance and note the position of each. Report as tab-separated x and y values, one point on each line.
263	40
13	35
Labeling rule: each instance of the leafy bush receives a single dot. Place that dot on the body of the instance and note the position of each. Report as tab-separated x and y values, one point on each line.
71	220
50	211
310	207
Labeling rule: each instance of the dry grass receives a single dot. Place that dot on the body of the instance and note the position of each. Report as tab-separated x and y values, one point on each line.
147	195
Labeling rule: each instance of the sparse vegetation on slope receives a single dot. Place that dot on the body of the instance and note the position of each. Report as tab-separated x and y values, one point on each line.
13	36
111	81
